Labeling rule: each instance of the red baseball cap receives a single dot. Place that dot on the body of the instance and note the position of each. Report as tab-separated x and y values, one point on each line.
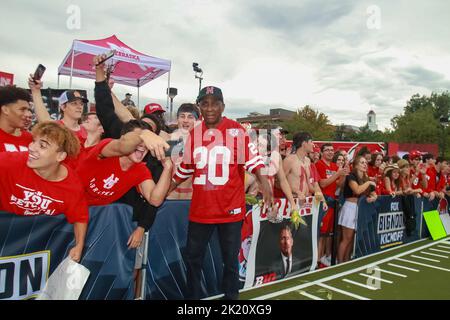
415	154
316	148
152	108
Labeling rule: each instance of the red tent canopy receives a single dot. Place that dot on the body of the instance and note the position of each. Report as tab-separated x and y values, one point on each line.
130	67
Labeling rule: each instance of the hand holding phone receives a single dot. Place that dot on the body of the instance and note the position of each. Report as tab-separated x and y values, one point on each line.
38	73
109	55
173	144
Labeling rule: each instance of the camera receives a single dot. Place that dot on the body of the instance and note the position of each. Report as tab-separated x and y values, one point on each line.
196	68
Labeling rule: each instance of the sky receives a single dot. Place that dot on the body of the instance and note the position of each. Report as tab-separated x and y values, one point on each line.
343	58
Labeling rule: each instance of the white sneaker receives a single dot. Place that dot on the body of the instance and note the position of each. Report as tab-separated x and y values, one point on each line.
326	260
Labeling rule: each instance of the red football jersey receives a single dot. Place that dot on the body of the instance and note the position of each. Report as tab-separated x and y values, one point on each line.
103	180
441	183
23	192
431	179
217	159
416	179
325	172
11	143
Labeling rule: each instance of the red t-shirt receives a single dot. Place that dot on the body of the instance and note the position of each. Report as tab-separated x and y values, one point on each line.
431	179
416	179
25	193
325	172
80	134
103	180
385	191
9	142
314	174
441	183
217	159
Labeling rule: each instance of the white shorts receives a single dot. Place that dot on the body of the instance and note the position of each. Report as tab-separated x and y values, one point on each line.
348	215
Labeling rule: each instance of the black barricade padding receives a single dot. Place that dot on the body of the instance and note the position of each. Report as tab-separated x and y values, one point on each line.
105	254
382	225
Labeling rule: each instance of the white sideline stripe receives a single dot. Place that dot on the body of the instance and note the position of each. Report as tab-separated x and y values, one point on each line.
393	273
444	247
375	278
302	275
423	264
376	263
359	284
429	259
403	267
306	294
437	250
435	254
326	286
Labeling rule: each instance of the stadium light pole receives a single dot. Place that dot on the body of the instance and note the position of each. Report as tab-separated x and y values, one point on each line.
198	75
444	121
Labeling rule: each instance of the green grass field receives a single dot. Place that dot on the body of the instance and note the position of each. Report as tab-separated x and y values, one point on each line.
419	270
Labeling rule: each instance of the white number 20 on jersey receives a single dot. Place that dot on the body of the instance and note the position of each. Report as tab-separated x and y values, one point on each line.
209	158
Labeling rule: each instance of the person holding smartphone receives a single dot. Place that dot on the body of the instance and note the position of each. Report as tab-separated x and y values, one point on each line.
356	184
71	104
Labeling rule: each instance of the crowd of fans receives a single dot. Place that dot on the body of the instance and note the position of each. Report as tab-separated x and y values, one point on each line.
65	163
324	171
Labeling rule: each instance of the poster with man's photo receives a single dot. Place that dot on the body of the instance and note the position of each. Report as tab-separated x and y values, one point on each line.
273	248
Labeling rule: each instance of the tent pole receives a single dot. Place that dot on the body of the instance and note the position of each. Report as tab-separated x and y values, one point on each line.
71	68
58	79
167	103
139	106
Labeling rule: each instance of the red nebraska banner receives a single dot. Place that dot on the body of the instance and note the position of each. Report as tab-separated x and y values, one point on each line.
6	79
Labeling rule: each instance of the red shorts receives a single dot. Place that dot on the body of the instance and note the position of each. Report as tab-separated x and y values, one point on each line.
327	225
278	193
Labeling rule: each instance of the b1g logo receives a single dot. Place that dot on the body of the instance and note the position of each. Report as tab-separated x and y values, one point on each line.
24	276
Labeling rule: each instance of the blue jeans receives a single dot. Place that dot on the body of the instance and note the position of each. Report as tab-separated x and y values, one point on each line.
199	235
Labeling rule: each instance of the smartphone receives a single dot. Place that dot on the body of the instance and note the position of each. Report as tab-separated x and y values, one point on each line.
39	72
174	143
109	55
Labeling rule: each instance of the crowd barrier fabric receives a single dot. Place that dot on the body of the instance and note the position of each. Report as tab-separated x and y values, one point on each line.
388	222
260	256
166	271
32	247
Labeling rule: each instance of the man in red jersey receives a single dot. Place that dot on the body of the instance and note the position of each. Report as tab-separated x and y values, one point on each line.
217	153
15	114
114	166
330	176
37	183
430	175
418	170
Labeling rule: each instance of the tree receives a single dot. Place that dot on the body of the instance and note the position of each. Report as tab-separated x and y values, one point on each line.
312	121
419	126
365	134
420	122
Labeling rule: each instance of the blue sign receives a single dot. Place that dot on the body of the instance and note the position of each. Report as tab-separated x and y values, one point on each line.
32	247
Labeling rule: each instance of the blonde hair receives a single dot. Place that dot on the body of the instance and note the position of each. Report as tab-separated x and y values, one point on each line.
60	135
